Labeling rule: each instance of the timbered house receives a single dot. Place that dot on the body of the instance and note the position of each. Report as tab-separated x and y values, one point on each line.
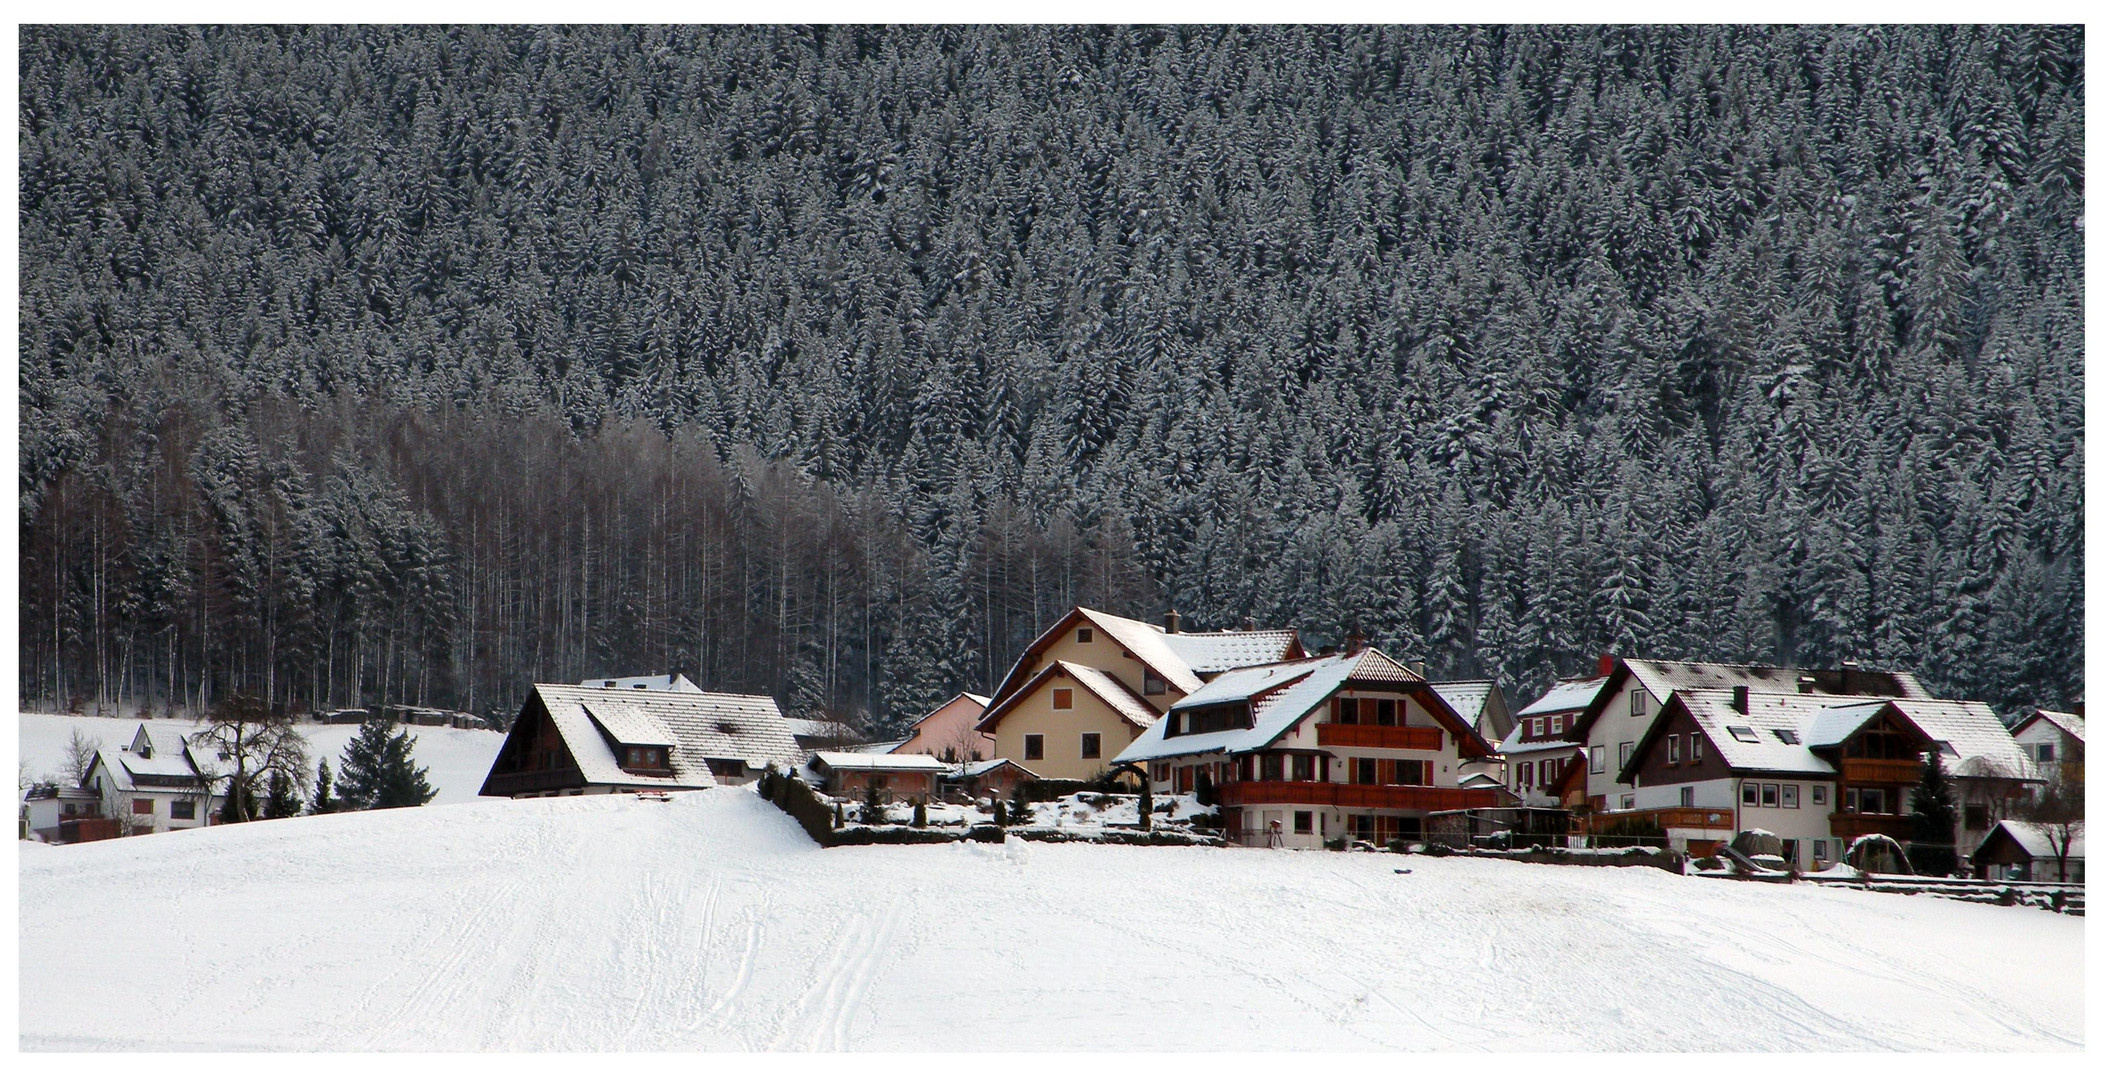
1319	748
1093	682
1540	749
589	740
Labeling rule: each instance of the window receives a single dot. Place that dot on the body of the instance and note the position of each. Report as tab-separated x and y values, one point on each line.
1412	773
1820	792
1269	767
1675	744
1786	735
1743	734
1386	713
143	806
1790	796
1686	796
1034	747
1064	697
1528	775
1303	769
1093	743
1151	683
1623	754
2045	752
1975	816
1160	772
183	810
1082	635
1536	727
1626	802
1770	794
1345	711
1821	847
1748	794
1558	724
1594	759
1303	824
1638	703
1697	747
1364	770
1850	800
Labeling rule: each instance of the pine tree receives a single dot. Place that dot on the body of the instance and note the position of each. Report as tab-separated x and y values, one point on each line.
281	798
1932	819
325	800
377	771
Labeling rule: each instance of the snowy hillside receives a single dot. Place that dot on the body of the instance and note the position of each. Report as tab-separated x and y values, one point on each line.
457	760
711	922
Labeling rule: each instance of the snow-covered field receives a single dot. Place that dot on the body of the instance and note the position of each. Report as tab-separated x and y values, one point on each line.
455	761
711	922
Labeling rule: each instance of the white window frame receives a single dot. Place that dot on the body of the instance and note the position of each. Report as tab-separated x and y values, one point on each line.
1595	759
1789	797
1623	754
1697	747
1675	749
1686	796
1819	796
1536	727
1638	703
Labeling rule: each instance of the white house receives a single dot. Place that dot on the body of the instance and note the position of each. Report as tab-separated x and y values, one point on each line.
2024	851
2050	739
158	781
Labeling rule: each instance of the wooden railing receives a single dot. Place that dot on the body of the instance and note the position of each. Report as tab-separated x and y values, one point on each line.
1361	796
1881	771
1667	817
538	780
1849	826
1380	737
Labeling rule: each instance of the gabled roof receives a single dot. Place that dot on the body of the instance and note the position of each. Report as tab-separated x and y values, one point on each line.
1282	694
628	725
1129	705
837	760
1467	698
955	698
2071	724
1662	678
1780	732
1565	695
1179	658
981	768
2035	840
1980	743
702	727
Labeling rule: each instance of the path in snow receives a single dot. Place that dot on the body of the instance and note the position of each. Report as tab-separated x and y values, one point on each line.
712	922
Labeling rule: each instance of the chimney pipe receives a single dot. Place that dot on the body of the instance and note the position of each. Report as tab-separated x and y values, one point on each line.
1807	684
1608	664
1170	621
1250	622
1741	699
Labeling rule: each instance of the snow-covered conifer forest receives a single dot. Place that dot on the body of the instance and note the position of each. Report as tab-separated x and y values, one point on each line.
421	363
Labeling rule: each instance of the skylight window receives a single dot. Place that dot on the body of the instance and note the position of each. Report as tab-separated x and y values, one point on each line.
1743	734
1786	735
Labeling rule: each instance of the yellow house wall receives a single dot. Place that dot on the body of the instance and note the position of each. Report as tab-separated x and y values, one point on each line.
1103	653
1035	715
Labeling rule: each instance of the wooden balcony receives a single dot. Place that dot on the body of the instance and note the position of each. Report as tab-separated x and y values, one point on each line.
1866	772
501	784
1851	826
1667	817
1379	737
1356	796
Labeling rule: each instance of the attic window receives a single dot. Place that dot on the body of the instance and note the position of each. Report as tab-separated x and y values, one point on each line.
1786	735
1742	734
1082	635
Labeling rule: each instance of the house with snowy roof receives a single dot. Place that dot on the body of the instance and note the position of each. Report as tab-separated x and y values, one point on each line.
589	740
157	782
948	731
2025	851
899	776
1311	749
2050	740
1818	771
1541	749
997	779
1633	691
1093	682
1481	704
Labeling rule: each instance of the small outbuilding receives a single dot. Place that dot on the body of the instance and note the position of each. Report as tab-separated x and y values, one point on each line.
2025	851
997	779
843	772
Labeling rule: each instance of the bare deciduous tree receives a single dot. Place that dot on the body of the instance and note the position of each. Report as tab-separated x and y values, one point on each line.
250	743
80	752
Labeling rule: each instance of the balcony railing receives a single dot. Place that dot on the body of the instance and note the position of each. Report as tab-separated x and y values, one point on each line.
1358	796
1861	771
537	780
1667	817
1850	826
1379	737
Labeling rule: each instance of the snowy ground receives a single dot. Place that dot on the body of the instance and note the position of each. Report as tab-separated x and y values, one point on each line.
711	922
456	760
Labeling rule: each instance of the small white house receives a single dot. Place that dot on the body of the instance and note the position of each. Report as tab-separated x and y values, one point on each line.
155	782
2024	851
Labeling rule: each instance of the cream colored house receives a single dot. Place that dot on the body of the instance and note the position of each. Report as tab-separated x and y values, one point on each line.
947	732
1088	686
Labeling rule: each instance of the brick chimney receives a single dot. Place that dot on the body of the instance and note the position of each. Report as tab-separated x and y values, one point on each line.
1250	622
1807	684
1607	665
1741	699
1170	621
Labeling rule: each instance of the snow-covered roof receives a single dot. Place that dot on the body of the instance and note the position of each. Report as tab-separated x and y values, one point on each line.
837	760
703	726
1147	642
1225	650
1774	735
1108	689
1467	698
981	768
675	681
1980	743
977	699
1565	695
885	746
1280	695
2071	723
629	725
2035	841
1514	743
